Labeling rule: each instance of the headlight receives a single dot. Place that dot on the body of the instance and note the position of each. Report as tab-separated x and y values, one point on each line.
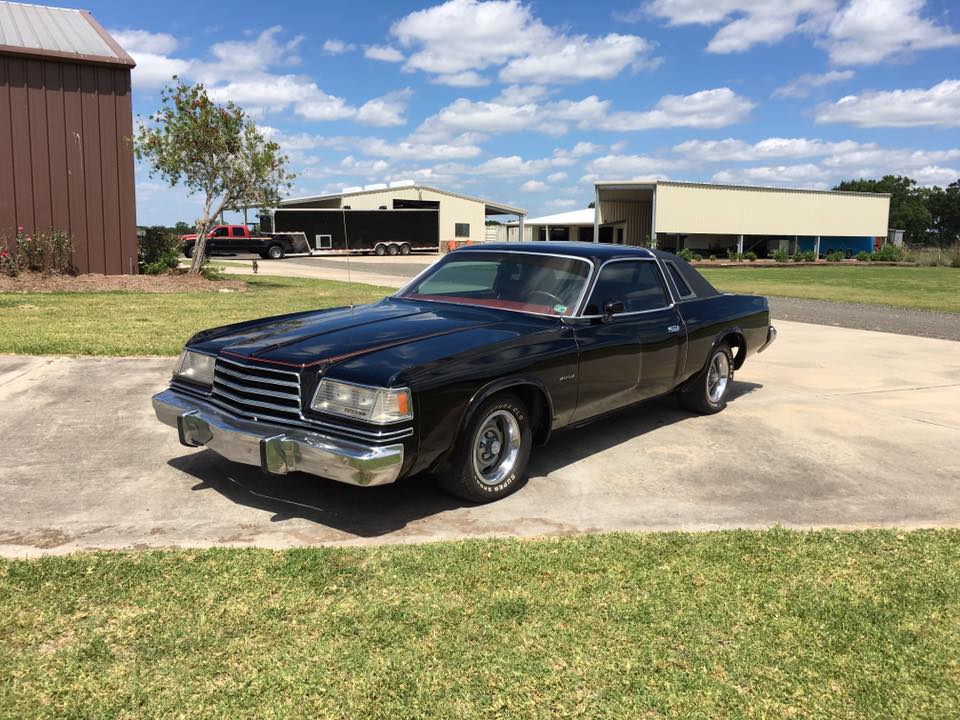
370	404
195	367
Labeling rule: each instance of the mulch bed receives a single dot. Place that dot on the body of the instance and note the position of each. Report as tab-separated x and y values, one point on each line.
173	283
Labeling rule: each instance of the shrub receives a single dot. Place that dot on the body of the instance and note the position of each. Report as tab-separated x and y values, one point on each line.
212	272
888	253
732	254
48	252
697	257
955	263
713	258
158	250
780	255
836	256
686	254
864	256
750	256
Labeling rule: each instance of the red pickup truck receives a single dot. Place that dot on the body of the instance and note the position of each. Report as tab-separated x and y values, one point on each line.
237	239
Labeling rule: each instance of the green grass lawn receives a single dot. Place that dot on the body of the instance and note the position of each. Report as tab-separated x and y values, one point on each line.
136	323
770	624
929	288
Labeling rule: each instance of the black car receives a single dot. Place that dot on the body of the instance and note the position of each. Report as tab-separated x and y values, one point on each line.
483	355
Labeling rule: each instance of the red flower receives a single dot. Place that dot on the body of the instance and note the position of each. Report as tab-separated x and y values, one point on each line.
3	253
19	228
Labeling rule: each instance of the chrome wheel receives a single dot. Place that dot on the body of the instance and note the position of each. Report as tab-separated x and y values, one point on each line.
718	375
496	447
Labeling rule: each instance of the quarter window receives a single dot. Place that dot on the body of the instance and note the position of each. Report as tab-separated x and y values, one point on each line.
635	283
683	289
462	230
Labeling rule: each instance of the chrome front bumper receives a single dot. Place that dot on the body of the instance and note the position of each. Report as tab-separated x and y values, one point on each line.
771	336
277	450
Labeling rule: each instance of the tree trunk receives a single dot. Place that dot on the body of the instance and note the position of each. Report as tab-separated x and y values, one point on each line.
199	247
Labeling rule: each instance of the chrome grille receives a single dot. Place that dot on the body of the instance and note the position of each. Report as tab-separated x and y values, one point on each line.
255	391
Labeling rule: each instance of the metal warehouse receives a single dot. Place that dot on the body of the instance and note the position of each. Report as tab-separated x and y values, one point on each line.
715	218
66	162
363	218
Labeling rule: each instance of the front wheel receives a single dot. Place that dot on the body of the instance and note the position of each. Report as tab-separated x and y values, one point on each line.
380	250
188	251
490	460
708	390
275	252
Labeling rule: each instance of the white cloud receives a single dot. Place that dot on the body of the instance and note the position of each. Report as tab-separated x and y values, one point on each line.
418	151
461	36
739	151
512	166
144	41
521	94
938	106
744	23
801	87
385	111
627	167
705	109
150	51
384	53
870	31
861	32
464	115
807	175
557	177
573	59
235	59
337	47
533	186
467	78
561	203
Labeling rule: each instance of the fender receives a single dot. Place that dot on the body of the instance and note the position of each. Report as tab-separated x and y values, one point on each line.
723	335
506	383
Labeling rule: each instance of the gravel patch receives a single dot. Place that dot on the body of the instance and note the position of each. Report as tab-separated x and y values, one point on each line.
902	321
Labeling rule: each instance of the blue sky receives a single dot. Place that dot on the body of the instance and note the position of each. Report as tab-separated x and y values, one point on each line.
528	102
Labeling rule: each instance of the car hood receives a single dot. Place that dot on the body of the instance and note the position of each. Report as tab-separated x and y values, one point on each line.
327	337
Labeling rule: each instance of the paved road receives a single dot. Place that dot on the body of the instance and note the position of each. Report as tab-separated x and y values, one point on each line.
830	427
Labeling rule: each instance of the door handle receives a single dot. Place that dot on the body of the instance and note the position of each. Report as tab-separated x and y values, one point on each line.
673	329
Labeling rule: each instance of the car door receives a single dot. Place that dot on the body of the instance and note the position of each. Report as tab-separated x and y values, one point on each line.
633	354
219	241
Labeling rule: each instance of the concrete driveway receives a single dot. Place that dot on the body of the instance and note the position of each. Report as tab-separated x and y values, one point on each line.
830	427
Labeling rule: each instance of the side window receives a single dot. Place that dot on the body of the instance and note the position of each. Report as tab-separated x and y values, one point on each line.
683	289
220	232
237	232
462	230
635	283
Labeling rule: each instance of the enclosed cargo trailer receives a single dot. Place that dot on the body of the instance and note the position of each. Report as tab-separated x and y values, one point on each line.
336	231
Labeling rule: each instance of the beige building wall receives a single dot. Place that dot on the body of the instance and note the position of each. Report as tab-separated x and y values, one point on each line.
686	208
634	217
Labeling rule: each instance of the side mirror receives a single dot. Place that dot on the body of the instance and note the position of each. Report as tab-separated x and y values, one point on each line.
612	307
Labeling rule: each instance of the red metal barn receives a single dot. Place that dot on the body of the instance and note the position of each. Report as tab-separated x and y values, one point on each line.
66	120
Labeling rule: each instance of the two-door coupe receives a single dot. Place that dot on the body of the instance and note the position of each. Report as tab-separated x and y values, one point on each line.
461	372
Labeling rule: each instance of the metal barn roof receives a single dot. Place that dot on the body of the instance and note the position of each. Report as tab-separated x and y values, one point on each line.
492	208
582	217
57	33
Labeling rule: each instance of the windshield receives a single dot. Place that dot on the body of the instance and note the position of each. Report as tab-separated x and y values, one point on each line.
528	282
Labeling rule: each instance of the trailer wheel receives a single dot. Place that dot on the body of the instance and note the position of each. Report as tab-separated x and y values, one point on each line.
404	249
380	250
275	252
393	250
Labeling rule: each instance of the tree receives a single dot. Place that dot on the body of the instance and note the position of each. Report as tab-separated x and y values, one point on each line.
908	211
214	150
944	207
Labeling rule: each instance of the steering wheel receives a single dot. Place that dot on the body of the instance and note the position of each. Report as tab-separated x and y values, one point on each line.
554	300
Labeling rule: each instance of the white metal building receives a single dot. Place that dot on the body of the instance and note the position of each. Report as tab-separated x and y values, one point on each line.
462	218
712	218
574	225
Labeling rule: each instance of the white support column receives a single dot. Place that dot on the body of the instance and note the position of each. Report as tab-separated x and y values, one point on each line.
740	244
653	218
548	232
816	248
596	214
521	218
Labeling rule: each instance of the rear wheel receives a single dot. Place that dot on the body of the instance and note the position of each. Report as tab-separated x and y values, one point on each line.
275	252
188	251
707	392
392	250
404	249
490	460
380	250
